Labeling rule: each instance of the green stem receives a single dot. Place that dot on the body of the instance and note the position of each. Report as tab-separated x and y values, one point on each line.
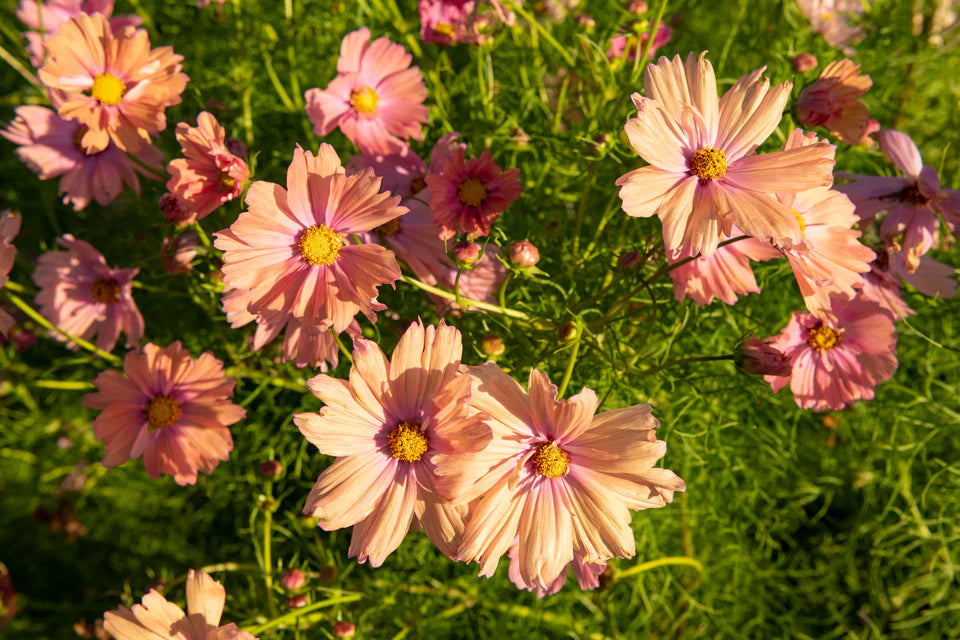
341	346
659	562
584	196
19	68
267	560
515	7
467	302
640	62
39	319
502	294
568	372
297	613
672	363
63	385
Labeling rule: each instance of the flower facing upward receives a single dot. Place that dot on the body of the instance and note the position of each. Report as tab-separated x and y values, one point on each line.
377	98
704	176
116	86
833	101
290	250
83	296
209	176
557	478
387	426
158	619
467	196
835	365
9	228
914	200
172	409
51	147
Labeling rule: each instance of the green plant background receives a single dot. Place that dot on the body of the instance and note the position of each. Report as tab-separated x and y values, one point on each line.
799	525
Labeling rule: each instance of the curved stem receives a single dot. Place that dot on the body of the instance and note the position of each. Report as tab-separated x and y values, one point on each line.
672	363
568	372
659	562
466	302
297	613
341	346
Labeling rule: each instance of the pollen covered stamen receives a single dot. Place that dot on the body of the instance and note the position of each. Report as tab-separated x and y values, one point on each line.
225	180
709	163
390	228
803	225
823	337
444	29
550	461
408	442
472	192
108	89
162	411
106	291
364	100
320	245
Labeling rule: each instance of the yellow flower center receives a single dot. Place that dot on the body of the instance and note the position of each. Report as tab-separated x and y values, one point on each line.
472	192
407	442
225	180
709	163
108	88
320	245
390	228
106	291
417	185
444	29
550	461
803	225
823	338
364	100
162	411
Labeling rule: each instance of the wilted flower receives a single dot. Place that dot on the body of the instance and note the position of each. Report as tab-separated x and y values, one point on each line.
833	101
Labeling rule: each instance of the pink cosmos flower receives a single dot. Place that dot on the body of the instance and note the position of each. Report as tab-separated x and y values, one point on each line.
172	409
481	282
209	176
50	146
724	275
588	575
159	619
447	22
626	45
913	200
388	425
760	359
9	228
377	98
833	101
84	297
467	196
830	18
829	258
555	477
116	86
45	20
288	248
704	176
837	364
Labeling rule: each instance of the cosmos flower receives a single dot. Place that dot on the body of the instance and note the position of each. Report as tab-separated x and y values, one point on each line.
9	228
387	425
168	407
556	478
467	196
377	98
288	249
116	86
704	176
627	45
837	364
447	22
45	20
914	200
587	575
50	147
833	101
84	297
209	176
760	359
156	618
830	18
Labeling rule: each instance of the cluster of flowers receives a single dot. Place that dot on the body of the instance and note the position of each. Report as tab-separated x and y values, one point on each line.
484	467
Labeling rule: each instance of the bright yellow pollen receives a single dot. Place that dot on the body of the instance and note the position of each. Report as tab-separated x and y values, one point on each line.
407	442
823	338
390	228
320	245
803	225
107	88
106	291
444	29
709	163
162	411
364	100
225	180
472	192
550	461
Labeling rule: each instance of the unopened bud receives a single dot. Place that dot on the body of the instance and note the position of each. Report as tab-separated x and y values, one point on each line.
344	629
587	22
600	141
523	254
637	7
466	252
567	332
804	62
761	359
270	468
297	602
629	261
492	345
293	579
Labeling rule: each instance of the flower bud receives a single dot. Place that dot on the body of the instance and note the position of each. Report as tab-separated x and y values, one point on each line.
171	209
293	579
804	62
344	629
568	332
629	261
466	252
600	141
270	468
297	602
177	253
637	7
492	345
587	22
523	254
760	359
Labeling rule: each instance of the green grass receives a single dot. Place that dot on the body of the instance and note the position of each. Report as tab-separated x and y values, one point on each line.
797	529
